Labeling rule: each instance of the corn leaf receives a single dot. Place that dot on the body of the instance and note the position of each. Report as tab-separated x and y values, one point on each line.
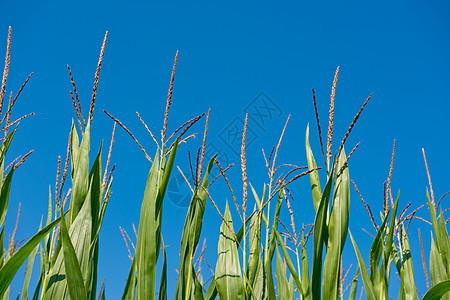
10	268
80	236
5	145
228	270
260	290
30	263
320	236
80	176
198	288
282	282
272	246
146	244
437	269
314	175
354	285
191	234
254	249
75	282
305	273
289	263
405	268
211	292
337	230
370	292
438	291
130	287
163	282
4	195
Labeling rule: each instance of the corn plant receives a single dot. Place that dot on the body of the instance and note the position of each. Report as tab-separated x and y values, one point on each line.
69	256
253	254
439	264
12	259
142	276
384	248
332	207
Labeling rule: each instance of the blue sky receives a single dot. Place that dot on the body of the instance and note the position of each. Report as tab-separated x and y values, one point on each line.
231	55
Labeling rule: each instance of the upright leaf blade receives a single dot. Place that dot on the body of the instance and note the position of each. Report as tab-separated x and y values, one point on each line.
337	230
228	270
75	281
314	175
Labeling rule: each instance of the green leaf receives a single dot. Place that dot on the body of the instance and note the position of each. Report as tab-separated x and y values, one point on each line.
75	282
289	263
80	177
149	232
198	290
211	292
354	285
5	146
95	190
337	230
437	291
80	236
260	290
405	268
191	234
437	269
314	175
228	270
147	248
30	263
370	293
128	293
444	243
282	282
254	247
163	282
4	195
305	273
320	236
10	268
272	246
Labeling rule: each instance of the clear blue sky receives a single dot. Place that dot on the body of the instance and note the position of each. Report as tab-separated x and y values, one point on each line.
229	54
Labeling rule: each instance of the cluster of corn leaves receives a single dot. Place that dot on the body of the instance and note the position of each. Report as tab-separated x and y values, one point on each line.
69	253
330	231
439	256
11	261
69	259
142	275
69	262
256	280
383	248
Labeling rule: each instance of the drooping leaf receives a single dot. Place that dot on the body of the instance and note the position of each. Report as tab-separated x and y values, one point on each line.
10	268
